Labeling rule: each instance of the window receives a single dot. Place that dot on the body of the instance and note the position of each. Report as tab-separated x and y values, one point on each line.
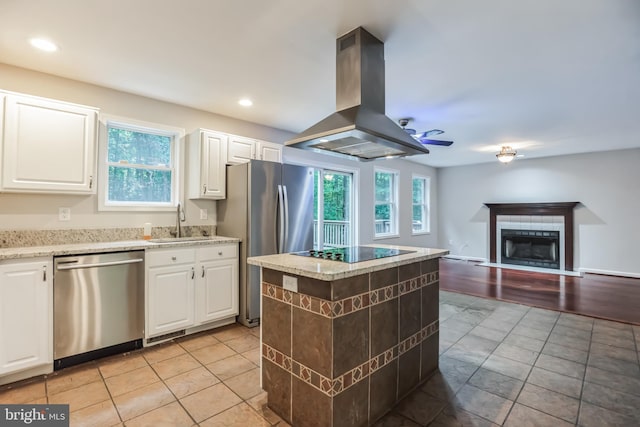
333	209
420	205
139	166
386	203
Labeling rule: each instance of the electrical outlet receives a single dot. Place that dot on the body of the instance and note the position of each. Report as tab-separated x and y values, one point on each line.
290	283
64	214
204	214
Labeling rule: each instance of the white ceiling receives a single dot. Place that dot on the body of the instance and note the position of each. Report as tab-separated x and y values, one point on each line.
547	77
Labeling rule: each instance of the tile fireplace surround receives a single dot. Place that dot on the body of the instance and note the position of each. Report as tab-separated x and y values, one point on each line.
561	210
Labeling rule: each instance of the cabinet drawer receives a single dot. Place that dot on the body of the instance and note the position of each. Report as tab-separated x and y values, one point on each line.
218	252
170	257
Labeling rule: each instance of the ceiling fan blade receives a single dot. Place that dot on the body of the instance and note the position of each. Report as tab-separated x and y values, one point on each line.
435	142
411	132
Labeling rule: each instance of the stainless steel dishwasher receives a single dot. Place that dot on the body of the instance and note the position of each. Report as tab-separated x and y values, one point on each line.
98	306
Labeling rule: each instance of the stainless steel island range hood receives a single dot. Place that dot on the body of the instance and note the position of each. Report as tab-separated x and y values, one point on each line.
360	127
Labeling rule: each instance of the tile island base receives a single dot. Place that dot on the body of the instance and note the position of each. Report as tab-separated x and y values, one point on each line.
342	352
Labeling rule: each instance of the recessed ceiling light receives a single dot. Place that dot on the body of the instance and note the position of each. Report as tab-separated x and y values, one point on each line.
245	102
43	44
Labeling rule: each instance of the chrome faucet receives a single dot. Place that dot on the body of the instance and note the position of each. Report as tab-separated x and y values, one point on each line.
178	232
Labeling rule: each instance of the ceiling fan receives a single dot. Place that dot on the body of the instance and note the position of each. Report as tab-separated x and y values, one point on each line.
424	137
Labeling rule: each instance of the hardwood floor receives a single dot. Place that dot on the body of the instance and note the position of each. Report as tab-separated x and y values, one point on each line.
606	297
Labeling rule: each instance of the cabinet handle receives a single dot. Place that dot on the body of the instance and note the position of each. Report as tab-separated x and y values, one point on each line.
90	182
193	273
203	271
44	273
204	189
173	258
220	253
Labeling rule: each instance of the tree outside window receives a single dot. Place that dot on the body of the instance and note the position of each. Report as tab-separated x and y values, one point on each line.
140	167
386	200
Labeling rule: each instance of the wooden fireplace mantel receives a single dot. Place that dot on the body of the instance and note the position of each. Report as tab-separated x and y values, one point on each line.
564	209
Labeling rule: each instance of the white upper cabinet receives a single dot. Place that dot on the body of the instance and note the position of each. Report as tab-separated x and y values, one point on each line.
48	146
269	151
207	159
242	149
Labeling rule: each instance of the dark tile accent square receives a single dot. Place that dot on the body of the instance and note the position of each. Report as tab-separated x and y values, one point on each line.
277	383
272	276
276	325
314	287
430	266
351	407
408	371
410	313
380	279
311	341
310	407
383	390
429	357
430	304
384	326
350	286
350	341
408	271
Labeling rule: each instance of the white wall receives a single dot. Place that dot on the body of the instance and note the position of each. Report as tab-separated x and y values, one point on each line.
24	211
364	172
607	234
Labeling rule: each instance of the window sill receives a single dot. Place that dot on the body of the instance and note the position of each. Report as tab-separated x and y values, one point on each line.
386	236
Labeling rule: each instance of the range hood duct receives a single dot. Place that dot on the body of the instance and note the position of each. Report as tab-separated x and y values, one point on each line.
360	127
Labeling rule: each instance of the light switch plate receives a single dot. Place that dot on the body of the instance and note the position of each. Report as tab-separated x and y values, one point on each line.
204	214
290	283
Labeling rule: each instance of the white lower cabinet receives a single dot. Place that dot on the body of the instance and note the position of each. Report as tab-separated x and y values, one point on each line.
170	290
26	316
188	288
217	290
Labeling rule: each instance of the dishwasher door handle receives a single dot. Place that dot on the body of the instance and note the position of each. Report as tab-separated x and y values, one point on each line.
70	266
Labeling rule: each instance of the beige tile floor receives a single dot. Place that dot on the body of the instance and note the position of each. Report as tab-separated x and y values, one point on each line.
500	364
209	379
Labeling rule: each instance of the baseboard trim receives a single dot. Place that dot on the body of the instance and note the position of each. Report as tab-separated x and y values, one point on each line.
465	258
610	272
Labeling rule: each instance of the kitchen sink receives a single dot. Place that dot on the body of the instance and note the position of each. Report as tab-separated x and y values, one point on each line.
179	239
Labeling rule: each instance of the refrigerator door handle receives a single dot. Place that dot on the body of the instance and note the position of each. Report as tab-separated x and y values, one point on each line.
280	217
286	219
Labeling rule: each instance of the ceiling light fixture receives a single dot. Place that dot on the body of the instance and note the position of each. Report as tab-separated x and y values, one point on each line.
506	154
43	44
245	102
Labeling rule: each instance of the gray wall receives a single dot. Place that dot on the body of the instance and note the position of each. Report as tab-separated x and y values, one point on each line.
30	211
607	234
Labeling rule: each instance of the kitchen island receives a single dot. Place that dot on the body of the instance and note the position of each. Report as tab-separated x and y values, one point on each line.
343	342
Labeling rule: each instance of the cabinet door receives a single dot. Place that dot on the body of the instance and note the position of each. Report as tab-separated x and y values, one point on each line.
241	150
49	146
26	316
218	286
270	152
170	298
207	158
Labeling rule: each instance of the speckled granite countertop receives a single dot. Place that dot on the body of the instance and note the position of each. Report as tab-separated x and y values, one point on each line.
97	247
333	270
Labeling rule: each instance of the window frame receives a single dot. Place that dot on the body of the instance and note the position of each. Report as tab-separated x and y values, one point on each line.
176	167
426	205
394	211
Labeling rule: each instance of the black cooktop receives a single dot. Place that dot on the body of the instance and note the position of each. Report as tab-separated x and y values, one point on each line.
352	254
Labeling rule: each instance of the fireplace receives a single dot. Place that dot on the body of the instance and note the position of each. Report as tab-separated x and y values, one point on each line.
531	247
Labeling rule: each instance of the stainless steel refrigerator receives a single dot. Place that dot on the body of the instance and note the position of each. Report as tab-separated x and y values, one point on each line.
270	207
